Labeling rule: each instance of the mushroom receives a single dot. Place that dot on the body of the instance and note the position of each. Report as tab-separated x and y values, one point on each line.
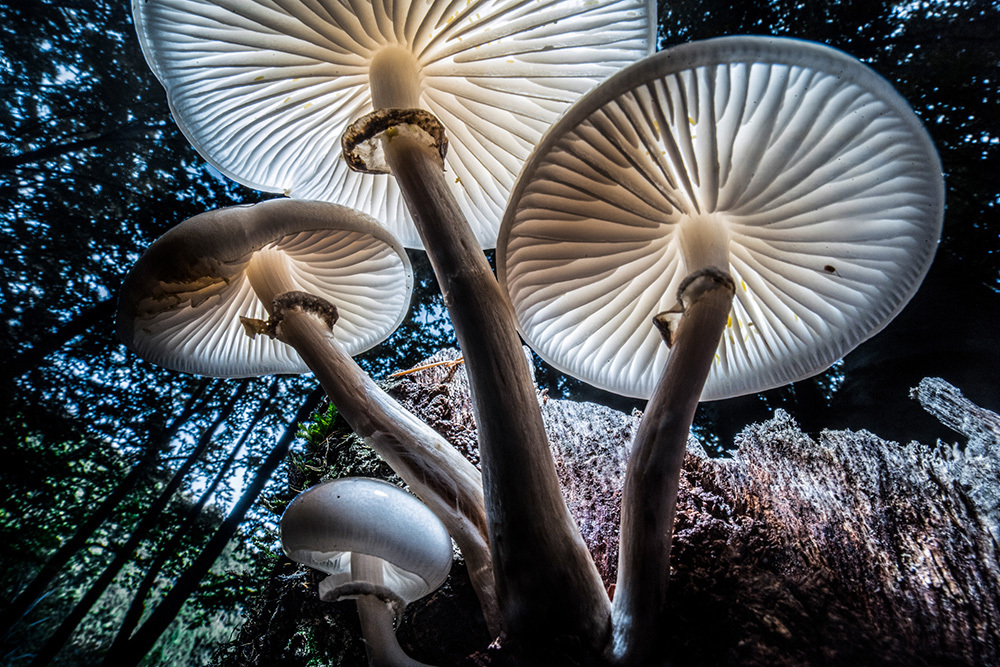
377	544
764	205
263	90
190	299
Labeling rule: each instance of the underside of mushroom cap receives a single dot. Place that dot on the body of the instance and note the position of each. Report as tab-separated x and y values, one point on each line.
264	90
325	524
181	303
800	167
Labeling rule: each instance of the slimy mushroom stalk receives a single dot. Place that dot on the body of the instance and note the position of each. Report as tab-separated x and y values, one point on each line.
721	218
378	545
281	82
190	298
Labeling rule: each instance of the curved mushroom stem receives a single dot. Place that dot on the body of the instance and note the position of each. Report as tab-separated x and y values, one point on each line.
434	470
651	480
547	582
377	618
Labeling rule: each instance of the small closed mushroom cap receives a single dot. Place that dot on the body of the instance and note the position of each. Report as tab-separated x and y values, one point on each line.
789	164
180	304
265	90
325	524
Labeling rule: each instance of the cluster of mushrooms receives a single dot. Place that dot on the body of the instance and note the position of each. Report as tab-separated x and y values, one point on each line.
718	218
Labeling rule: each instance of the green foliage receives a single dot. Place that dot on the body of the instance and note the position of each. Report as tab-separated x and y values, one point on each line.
331	450
57	477
319	428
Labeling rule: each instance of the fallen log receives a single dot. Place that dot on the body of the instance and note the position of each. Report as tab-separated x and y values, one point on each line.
837	548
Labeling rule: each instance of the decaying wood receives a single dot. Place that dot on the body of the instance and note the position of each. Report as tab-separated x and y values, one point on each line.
836	548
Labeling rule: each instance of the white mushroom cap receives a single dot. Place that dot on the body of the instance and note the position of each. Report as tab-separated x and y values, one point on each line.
180	304
325	524
264	90
788	164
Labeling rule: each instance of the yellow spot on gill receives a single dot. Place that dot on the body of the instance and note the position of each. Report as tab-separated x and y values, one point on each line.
308	104
458	179
259	78
744	284
692	120
729	323
287	100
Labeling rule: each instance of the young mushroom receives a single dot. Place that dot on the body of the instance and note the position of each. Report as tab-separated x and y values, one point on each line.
190	300
378	545
263	91
763	205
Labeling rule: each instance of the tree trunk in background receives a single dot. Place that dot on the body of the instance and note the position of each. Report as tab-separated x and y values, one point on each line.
51	341
133	131
836	548
124	553
146	636
183	531
34	591
843	549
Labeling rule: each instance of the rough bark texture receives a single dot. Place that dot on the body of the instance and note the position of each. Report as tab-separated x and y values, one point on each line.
836	548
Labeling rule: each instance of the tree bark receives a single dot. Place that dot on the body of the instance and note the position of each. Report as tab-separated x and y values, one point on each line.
837	548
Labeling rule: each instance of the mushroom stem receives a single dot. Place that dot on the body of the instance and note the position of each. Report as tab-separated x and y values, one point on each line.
546	580
652	478
394	75
377	618
434	470
268	272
